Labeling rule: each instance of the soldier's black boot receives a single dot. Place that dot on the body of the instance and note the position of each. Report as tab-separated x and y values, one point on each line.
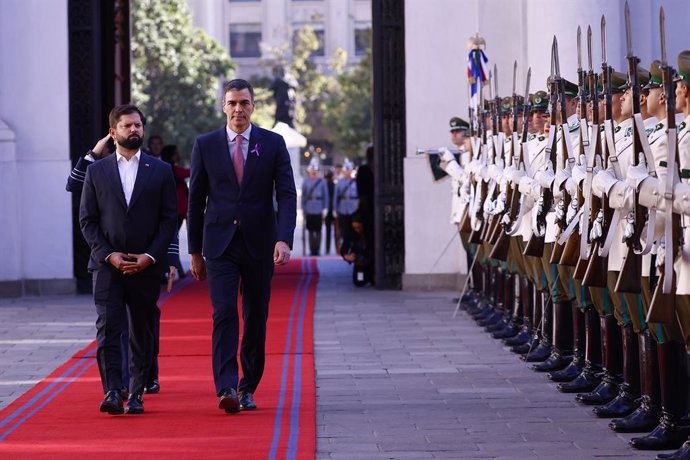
543	349
647	414
588	378
512	328
573	369
681	454
498	321
562	339
626	401
526	301
537	311
670	433
612	353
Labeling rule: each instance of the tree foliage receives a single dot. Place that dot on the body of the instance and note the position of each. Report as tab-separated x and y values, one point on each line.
331	98
176	71
348	111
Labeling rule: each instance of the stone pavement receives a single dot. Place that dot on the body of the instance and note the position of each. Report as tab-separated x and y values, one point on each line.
396	377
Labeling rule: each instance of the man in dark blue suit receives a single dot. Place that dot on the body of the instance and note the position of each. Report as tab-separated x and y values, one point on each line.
128	215
236	170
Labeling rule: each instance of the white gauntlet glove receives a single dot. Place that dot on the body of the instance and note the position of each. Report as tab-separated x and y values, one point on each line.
636	174
597	227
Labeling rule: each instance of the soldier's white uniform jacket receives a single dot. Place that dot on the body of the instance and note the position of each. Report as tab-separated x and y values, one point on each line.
536	145
459	182
618	190
542	176
562	177
682	264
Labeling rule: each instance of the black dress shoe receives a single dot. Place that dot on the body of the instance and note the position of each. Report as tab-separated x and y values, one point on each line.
642	420
522	338
568	374
153	388
681	454
604	393
586	381
229	402
621	406
539	354
135	404
124	394
247	401
112	403
668	434
555	362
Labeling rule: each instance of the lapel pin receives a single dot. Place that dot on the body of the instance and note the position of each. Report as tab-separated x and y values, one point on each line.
146	164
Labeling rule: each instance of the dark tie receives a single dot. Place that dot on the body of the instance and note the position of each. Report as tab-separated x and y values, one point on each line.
238	159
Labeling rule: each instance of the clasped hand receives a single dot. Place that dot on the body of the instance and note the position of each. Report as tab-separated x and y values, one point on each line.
130	264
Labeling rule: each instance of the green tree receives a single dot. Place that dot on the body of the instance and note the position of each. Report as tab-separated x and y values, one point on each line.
334	101
176	72
348	110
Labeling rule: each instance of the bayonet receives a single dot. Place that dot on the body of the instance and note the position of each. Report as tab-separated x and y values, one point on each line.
529	77
589	48
496	80
628	30
603	41
515	77
579	49
662	31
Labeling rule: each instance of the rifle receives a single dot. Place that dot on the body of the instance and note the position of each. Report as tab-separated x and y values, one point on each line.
500	250
535	245
571	248
564	204
491	236
476	217
595	265
663	308
631	273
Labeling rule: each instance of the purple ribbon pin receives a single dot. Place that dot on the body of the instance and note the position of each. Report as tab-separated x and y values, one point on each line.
256	149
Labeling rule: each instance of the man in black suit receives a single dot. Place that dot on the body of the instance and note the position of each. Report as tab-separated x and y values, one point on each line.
128	216
231	221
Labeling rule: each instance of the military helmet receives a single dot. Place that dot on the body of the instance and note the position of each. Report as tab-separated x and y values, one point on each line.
313	165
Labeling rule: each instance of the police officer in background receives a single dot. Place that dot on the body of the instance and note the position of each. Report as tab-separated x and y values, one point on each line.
314	205
345	200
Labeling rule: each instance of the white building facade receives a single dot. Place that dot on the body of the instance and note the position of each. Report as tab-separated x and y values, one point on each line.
247	28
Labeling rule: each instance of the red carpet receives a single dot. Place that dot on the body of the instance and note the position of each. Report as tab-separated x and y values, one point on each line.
59	417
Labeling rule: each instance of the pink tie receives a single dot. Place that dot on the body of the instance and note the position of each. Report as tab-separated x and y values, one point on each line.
238	159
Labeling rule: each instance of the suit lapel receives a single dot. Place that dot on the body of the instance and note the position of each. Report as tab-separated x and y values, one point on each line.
114	175
146	166
253	155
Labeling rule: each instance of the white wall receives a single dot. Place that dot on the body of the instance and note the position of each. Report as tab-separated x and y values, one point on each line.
436	34
34	106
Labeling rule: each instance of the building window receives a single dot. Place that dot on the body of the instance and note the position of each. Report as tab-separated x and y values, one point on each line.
362	39
245	40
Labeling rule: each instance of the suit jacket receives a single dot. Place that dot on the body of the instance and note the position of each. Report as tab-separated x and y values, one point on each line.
218	205
147	225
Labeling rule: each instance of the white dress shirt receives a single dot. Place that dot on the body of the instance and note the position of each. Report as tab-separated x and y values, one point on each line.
128	176
128	173
245	140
